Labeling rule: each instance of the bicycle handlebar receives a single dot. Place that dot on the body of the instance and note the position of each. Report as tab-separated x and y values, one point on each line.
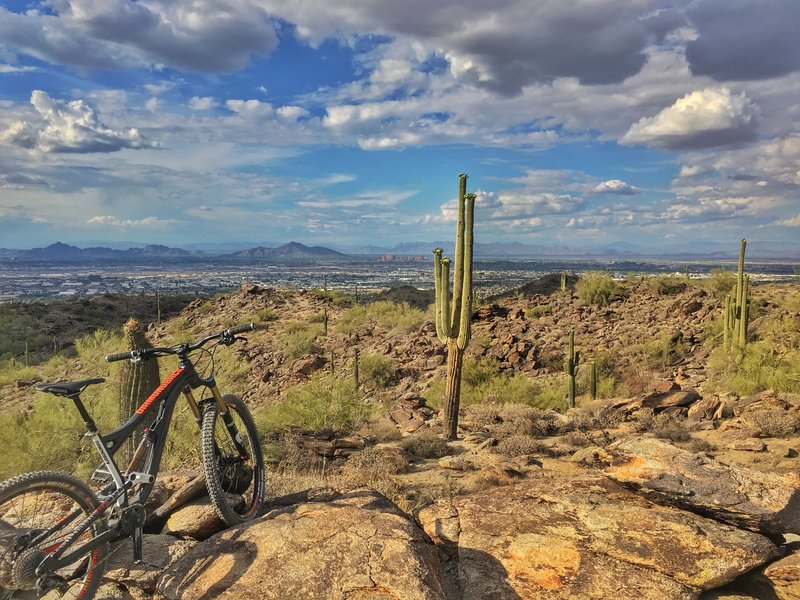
227	337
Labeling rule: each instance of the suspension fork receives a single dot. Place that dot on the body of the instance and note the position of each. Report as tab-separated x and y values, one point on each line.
227	418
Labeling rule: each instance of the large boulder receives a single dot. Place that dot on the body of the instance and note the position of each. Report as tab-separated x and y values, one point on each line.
584	537
743	497
356	546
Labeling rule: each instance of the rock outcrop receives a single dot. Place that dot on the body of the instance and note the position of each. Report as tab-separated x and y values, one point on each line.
747	498
585	537
356	546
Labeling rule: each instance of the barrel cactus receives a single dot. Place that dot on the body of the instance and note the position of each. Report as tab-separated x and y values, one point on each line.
137	380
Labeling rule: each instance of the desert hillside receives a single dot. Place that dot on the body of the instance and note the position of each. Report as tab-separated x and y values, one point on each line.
677	480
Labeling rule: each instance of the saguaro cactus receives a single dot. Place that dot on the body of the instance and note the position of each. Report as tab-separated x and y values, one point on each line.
454	315
136	380
593	380
571	366
563	281
737	308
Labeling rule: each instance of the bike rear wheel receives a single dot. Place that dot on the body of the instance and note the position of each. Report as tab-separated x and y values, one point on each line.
38	511
236	485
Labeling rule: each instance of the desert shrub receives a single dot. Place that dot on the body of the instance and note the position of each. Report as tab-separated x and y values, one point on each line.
515	419
324	401
771	362
775	422
643	418
667	427
425	444
722	281
539	310
664	285
376	370
518	445
180	330
299	339
482	379
578	439
380	431
372	460
12	370
262	315
401	318
597	288
596	415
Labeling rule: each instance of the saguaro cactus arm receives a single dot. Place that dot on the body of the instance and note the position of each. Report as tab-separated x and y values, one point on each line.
442	294
465	325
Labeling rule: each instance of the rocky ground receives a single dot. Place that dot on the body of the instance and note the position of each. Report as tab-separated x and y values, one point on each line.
670	490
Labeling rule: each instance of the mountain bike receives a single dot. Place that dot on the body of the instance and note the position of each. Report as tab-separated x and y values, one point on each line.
55	530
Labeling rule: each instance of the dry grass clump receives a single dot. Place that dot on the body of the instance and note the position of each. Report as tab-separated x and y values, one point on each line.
774	422
425	444
519	445
380	431
595	416
502	420
674	429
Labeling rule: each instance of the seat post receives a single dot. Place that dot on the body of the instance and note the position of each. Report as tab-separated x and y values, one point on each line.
87	418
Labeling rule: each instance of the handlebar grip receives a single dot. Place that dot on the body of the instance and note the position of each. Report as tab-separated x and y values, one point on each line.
240	329
119	356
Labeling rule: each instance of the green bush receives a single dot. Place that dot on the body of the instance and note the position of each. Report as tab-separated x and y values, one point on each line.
324	401
481	378
538	310
299	339
722	281
597	288
376	370
401	318
664	285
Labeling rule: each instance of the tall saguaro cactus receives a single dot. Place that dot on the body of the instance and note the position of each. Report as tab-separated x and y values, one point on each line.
454	315
571	366
737	308
136	380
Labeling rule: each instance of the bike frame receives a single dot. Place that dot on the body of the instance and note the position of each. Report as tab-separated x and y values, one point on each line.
182	381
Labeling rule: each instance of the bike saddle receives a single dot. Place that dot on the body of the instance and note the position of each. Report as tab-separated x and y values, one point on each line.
68	388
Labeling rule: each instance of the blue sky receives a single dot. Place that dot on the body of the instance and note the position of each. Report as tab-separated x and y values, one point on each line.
580	122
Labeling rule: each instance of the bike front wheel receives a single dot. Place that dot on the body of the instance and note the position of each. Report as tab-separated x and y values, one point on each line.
39	511
236	483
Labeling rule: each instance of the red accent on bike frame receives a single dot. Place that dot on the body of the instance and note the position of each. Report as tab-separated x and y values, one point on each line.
146	404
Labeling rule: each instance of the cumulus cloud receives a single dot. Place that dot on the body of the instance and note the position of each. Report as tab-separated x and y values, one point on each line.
204	103
744	40
702	119
206	36
69	127
615	186
505	44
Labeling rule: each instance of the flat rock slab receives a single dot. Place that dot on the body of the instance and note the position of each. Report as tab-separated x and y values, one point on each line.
584	537
158	551
357	546
743	497
784	576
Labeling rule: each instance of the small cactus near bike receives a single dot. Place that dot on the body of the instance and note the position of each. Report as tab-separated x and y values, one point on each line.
571	366
137	380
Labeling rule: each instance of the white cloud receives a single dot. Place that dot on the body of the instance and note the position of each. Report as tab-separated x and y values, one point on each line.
615	186
790	222
153	104
204	103
4	69
69	127
117	223
702	119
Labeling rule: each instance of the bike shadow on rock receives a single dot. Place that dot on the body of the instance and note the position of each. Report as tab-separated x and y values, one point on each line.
224	567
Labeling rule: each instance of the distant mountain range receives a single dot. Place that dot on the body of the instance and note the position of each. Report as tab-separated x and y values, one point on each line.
292	250
408	251
65	252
